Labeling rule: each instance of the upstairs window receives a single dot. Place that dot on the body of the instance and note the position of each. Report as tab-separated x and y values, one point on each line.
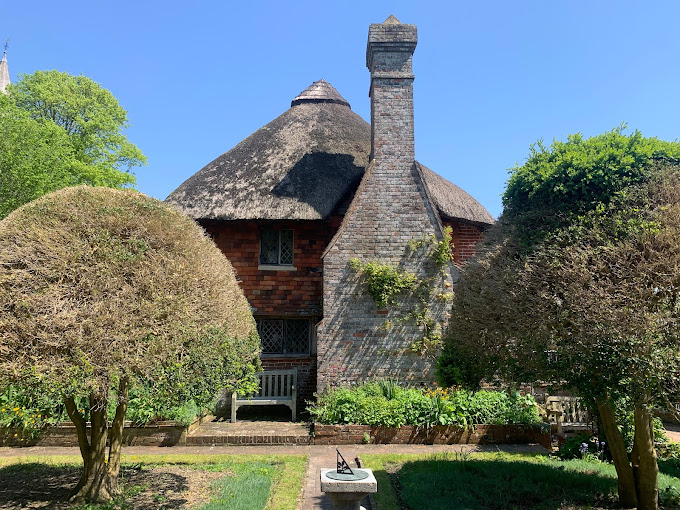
284	336
276	247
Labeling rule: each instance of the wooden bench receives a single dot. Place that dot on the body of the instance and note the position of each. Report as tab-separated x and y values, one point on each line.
568	414
277	387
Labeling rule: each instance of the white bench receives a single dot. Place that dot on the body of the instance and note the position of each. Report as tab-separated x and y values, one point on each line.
277	387
568	413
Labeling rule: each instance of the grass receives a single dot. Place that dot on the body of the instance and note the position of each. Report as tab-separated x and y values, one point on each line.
246	489
251	482
496	481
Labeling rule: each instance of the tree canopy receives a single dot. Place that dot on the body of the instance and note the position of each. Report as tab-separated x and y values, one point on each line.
58	130
102	289
578	285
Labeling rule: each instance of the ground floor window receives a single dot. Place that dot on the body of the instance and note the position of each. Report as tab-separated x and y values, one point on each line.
284	336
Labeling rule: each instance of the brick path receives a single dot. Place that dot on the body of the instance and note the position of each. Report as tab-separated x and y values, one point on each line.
318	457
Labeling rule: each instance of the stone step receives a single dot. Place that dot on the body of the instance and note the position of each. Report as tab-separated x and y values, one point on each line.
246	440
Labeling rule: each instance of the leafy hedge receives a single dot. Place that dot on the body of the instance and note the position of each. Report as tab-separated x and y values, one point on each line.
384	403
20	408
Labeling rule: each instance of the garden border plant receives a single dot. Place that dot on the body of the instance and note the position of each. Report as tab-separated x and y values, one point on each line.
385	403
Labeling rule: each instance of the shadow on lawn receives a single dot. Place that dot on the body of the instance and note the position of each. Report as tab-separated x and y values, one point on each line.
500	485
44	486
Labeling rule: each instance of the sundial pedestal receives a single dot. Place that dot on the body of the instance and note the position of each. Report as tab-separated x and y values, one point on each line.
347	491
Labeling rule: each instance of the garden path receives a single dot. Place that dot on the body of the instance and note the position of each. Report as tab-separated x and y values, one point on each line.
672	431
319	456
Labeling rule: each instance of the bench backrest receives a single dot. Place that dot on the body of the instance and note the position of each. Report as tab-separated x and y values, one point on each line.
277	383
572	408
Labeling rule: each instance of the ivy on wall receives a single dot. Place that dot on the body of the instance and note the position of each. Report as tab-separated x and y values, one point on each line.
386	283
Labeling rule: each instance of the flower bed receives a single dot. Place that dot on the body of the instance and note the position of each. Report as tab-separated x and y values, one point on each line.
385	403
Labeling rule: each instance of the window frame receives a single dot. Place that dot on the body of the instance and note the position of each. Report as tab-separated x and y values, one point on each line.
283	353
278	264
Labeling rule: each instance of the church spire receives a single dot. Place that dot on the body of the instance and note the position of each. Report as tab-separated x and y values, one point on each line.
4	71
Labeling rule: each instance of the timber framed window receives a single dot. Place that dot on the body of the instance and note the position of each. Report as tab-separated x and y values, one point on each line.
276	247
284	336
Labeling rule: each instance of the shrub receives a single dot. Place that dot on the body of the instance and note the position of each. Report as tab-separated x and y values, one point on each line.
387	404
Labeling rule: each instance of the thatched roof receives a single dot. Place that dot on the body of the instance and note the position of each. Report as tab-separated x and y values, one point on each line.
453	202
300	166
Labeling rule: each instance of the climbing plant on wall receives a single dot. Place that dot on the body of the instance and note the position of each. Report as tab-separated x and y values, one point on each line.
390	285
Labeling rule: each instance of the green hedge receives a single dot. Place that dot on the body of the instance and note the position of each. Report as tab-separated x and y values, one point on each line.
385	403
20	408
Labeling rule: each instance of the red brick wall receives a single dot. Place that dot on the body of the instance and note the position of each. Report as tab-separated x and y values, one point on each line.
277	293
465	237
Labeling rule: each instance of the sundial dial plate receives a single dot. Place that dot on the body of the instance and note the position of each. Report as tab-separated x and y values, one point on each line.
356	475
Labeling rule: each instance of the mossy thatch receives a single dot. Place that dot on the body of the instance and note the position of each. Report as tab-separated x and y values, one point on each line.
301	166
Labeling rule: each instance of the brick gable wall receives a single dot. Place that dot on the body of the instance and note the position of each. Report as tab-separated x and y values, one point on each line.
465	237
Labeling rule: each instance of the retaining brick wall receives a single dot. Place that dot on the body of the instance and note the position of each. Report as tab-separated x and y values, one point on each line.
164	433
480	434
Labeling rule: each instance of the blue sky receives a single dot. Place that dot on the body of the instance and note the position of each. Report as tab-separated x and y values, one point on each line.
492	77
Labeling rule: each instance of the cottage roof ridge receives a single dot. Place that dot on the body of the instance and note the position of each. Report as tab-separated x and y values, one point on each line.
302	166
319	92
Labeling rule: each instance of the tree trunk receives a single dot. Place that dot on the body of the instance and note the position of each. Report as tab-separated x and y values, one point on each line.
617	447
116	440
83	442
95	484
647	472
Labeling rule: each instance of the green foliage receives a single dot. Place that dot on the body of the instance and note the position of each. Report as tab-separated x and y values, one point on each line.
453	369
581	446
386	404
384	281
627	427
90	115
36	157
439	251
570	179
577	283
56	131
24	409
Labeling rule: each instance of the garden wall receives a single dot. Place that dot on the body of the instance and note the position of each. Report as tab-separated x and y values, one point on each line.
408	434
162	433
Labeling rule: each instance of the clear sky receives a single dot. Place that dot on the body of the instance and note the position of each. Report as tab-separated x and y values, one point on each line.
492	77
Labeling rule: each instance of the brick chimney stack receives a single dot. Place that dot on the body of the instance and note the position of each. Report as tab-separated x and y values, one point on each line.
389	54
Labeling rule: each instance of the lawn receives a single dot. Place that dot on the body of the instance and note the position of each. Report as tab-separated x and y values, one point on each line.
500	481
201	482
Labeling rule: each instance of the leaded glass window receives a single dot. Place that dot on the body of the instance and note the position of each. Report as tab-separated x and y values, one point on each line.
284	336
276	247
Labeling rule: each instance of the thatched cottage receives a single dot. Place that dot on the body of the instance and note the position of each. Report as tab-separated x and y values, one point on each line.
293	203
